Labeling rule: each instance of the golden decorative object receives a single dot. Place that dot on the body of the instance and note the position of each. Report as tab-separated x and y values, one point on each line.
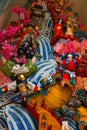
23	89
69	30
21	77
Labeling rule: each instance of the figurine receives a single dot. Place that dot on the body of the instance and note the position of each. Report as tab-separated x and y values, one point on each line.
69	31
58	27
58	32
68	69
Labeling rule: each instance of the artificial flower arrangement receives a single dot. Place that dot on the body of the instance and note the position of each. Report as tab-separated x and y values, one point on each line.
72	46
22	52
13	55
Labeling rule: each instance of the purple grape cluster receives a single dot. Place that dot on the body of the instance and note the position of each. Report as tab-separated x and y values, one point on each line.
26	49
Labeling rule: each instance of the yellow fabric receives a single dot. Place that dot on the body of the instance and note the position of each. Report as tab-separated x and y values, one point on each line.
83	112
49	121
57	96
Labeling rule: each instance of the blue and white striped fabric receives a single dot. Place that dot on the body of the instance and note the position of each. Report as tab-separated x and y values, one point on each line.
19	118
71	123
3	124
44	49
46	65
47	28
45	70
5	98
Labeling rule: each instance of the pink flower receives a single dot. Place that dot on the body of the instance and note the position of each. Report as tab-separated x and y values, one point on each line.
22	60
8	51
76	44
83	44
70	47
58	47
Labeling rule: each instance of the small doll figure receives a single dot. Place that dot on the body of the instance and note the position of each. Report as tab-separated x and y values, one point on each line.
58	31
58	28
69	31
68	69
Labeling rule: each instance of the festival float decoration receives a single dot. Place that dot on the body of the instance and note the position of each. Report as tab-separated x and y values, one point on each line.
40	88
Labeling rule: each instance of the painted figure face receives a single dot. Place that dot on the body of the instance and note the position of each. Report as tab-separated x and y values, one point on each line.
69	57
